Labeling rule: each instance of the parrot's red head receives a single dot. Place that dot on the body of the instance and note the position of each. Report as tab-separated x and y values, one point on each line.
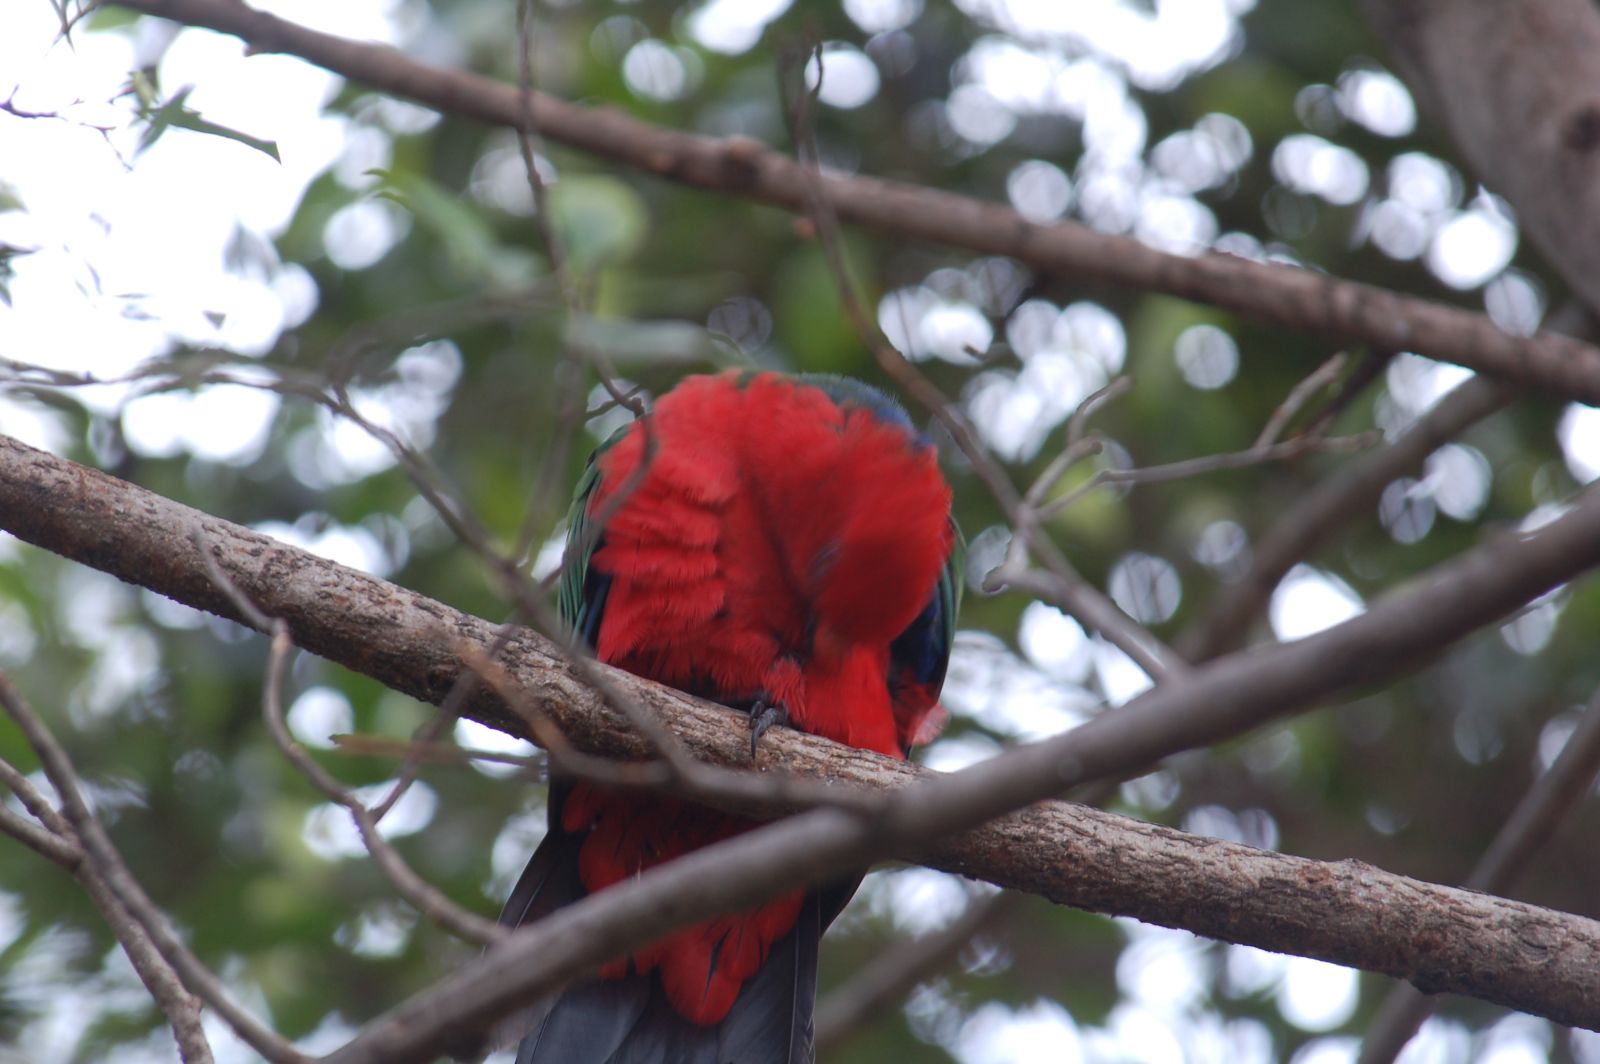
790	540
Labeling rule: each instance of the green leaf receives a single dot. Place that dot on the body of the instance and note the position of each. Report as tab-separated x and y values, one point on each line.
175	114
192	121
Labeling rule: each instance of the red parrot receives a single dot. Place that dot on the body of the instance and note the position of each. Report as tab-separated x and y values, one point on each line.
787	549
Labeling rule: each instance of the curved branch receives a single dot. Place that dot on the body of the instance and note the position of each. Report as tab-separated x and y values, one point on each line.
1298	298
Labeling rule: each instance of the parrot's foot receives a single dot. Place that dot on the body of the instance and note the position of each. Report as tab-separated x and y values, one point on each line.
763	715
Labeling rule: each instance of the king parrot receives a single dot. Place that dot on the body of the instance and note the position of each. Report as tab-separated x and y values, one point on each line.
782	545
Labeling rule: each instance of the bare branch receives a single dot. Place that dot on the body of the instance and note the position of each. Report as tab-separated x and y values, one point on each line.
1344	907
1317	516
53	838
110	885
1259	454
1552	796
1283	295
398	637
181	1008
1297	398
895	972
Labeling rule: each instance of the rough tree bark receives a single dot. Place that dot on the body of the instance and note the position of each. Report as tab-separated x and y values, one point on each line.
1531	129
1438	937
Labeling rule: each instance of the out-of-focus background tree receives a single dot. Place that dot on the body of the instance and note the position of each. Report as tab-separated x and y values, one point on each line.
256	211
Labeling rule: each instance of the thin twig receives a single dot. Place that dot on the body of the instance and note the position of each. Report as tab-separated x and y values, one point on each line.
1080	443
1551	797
57	843
192	977
1368	370
37	805
1297	398
362	744
422	895
1259	454
426	734
1078	424
891	975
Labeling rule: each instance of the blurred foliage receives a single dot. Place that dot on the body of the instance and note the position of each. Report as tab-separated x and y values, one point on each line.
458	330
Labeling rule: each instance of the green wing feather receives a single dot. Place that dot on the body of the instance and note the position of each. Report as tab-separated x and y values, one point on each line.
579	598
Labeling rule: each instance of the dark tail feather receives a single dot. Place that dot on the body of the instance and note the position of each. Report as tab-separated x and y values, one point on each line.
771	1018
628	1020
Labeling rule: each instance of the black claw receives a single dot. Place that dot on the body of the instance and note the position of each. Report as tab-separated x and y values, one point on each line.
763	715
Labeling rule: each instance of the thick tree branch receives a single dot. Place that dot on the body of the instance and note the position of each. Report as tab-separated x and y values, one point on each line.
1297	298
1517	87
1531	959
1334	907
